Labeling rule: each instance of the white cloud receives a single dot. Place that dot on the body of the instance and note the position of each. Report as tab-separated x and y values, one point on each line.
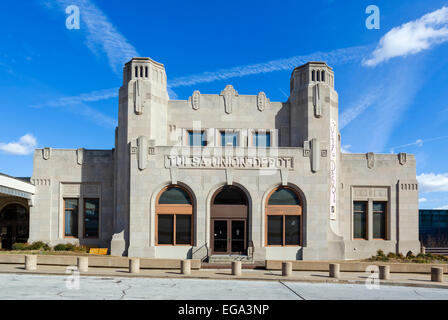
430	182
346	148
421	200
442	207
101	34
412	37
24	146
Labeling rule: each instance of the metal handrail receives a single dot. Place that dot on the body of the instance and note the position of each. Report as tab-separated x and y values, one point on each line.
200	248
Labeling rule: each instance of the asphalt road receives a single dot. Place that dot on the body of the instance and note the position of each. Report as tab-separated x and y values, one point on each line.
14	286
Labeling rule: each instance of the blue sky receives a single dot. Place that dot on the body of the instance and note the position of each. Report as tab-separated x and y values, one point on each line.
59	86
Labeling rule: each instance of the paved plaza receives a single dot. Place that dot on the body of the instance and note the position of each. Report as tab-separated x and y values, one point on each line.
33	286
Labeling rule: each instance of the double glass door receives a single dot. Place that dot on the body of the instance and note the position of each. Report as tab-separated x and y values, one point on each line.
229	236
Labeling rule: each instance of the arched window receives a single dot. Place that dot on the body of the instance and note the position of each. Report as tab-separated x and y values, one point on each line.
323	75
136	72
312	75
174	217
318	75
283	218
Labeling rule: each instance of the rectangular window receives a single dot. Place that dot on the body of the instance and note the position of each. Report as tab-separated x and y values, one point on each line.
197	138
174	229
229	138
379	220
183	229
275	230
91	218
71	218
283	230
292	230
262	139
165	229
360	220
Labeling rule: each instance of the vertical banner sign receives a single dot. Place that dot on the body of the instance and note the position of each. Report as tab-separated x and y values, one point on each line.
333	169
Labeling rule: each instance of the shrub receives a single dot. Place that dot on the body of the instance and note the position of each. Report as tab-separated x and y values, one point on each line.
400	256
66	247
39	245
380	253
20	246
410	255
391	255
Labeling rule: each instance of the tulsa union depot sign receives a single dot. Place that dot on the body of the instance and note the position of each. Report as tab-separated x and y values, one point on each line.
229	162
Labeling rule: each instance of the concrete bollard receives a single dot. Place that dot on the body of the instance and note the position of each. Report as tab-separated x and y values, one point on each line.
134	265
286	269
83	264
437	274
236	268
384	272
30	262
185	266
335	270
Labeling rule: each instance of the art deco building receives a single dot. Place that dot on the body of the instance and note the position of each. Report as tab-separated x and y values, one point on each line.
226	174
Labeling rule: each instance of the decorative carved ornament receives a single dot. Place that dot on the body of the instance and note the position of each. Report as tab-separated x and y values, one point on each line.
139	96
229	94
80	156
262	101
402	158
46	153
196	100
370	160
317	101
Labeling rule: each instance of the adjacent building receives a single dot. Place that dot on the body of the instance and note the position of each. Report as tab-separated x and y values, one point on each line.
226	174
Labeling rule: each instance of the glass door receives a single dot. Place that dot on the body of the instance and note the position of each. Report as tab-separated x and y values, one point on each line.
238	241
220	236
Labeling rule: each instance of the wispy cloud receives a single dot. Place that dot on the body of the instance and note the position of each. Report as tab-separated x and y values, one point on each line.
443	207
352	112
101	35
77	105
421	200
412	37
335	57
97	95
418	143
431	182
24	146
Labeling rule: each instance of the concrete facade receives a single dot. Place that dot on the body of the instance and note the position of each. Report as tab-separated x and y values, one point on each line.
152	151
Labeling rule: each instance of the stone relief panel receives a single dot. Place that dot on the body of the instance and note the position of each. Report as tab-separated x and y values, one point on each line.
375	193
402	158
262	101
370	160
46	153
229	94
195	100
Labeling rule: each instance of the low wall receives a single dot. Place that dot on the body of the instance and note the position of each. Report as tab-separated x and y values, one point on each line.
96	261
347	266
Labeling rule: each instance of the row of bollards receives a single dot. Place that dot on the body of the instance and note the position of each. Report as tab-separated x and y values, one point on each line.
185	268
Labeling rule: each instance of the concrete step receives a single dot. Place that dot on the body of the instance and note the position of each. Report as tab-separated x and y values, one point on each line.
222	259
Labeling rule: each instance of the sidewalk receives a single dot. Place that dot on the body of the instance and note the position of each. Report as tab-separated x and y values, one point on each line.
397	279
